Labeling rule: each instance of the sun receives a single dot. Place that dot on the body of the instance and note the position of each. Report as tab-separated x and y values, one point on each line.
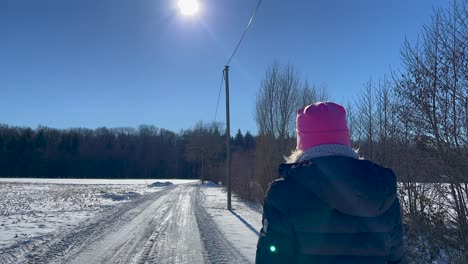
188	7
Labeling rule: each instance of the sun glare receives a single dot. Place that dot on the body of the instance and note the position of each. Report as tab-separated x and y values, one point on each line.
188	7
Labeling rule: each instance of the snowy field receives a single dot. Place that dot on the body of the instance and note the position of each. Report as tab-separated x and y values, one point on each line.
32	208
70	220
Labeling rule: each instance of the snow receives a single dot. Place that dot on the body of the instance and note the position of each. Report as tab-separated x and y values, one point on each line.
33	207
160	229
124	221
241	226
95	181
31	210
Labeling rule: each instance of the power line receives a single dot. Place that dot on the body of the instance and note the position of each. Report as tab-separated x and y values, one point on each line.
245	32
232	55
219	94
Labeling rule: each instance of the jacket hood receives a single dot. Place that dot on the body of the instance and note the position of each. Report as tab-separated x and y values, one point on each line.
351	186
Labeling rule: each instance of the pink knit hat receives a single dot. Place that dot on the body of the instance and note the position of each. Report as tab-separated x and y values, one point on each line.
321	123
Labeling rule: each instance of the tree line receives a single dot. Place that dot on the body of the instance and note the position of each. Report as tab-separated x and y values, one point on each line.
145	152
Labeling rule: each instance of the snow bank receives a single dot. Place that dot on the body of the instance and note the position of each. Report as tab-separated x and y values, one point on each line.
210	184
160	184
119	196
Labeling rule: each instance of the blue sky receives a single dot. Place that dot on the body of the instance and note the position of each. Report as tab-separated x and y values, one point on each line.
115	63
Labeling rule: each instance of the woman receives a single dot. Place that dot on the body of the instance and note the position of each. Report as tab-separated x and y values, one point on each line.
330	206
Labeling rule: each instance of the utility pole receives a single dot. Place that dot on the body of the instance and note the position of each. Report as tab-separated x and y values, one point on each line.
202	170
202	176
228	125
228	139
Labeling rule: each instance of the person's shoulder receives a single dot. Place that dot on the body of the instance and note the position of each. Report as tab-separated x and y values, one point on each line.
377	165
395	208
375	169
278	186
279	191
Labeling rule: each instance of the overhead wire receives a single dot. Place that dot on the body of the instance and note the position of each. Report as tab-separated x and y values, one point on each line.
219	95
252	17
245	31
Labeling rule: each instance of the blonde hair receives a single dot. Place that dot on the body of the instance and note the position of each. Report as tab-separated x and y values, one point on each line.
294	157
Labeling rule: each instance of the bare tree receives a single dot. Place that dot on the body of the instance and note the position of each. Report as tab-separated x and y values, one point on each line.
265	105
281	94
277	101
365	105
385	123
432	92
311	93
287	102
276	104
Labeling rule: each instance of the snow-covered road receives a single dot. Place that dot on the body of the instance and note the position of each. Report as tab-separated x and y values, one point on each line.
169	226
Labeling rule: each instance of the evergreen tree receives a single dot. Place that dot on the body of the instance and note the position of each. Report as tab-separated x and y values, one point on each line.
238	139
249	141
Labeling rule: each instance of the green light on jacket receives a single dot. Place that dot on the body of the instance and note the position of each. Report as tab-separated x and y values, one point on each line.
273	249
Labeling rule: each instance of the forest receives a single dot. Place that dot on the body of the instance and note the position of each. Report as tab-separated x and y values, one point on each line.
120	153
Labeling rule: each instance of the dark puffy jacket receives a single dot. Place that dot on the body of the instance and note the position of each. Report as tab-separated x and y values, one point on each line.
332	210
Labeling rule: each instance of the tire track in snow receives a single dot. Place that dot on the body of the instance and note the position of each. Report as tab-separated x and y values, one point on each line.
66	247
147	253
131	238
165	232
